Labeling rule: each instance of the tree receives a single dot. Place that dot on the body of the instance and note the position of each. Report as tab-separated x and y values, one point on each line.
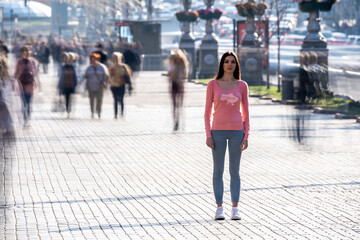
279	8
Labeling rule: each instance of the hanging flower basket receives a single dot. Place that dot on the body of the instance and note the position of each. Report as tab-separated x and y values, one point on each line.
249	9
307	6
207	13
191	16
217	13
314	5
325	6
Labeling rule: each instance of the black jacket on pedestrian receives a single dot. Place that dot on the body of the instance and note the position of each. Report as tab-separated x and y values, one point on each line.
68	79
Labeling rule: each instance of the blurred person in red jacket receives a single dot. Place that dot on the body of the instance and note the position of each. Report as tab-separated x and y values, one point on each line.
27	73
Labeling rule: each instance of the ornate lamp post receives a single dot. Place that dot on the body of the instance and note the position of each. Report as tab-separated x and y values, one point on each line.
187	41
208	55
315	43
250	53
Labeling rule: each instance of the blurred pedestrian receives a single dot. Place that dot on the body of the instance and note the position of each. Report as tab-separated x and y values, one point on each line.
228	106
26	72
120	75
110	48
68	80
3	48
96	76
177	71
305	85
132	58
10	101
318	75
100	50
44	56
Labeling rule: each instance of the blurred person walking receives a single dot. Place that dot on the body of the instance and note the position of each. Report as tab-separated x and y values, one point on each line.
132	58
44	53
3	48
103	55
228	106
27	73
68	81
120	75
110	48
10	101
96	76
177	71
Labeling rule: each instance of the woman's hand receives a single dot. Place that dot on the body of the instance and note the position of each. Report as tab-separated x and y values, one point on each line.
210	142
244	145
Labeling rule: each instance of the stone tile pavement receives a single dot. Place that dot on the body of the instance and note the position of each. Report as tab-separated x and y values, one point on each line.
134	178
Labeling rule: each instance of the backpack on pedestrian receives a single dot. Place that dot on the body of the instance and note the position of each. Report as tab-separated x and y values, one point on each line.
26	76
68	78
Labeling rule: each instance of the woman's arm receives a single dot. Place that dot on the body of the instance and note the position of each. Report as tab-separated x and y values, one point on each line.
61	78
208	108
75	77
245	109
17	70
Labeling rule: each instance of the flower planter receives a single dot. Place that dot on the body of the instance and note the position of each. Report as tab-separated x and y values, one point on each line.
216	15
308	6
209	14
314	6
182	16
325	6
205	16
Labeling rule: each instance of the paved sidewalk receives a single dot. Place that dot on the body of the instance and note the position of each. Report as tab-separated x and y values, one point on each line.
134	178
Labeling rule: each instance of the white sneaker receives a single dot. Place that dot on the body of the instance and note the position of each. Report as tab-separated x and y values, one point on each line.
219	214
235	214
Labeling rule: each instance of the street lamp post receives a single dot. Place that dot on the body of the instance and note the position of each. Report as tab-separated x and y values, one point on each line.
315	43
250	51
208	51
187	41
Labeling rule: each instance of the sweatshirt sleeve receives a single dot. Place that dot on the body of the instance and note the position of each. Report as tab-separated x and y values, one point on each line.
245	110
75	76
208	107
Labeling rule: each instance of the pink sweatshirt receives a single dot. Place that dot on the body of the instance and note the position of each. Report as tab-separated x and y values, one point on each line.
225	106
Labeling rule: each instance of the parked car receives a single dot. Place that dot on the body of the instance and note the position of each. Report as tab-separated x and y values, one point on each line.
327	34
300	31
354	39
226	30
339	38
231	12
293	39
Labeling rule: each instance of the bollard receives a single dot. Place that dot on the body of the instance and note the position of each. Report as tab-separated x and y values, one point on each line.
287	90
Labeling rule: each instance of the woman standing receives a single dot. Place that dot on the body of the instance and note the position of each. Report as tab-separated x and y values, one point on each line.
120	74
26	72
178	67
96	76
11	112
227	97
68	81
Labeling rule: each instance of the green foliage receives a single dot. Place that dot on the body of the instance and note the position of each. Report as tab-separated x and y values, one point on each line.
272	92
256	90
325	101
204	80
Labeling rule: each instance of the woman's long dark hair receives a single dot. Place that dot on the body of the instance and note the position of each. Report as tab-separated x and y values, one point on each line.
220	72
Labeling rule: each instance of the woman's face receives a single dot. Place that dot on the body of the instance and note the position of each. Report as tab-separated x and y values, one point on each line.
115	59
25	53
93	60
68	60
229	64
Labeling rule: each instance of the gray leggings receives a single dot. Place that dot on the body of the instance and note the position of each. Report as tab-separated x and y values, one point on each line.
222	138
98	95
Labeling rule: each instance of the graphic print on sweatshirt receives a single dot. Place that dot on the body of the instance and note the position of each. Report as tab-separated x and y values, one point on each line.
230	98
